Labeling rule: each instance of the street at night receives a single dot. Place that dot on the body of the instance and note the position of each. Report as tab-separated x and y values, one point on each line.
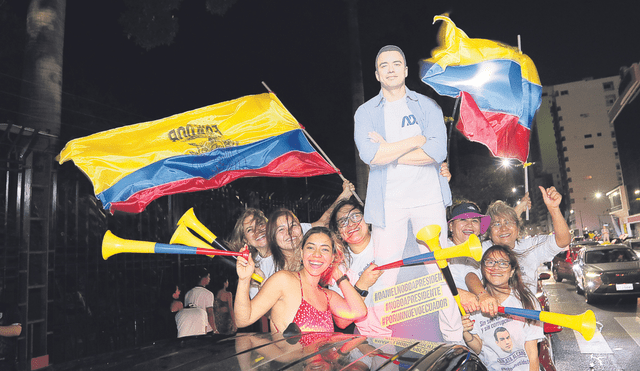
614	347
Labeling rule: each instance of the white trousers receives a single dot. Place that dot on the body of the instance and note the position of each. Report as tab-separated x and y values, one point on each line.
389	243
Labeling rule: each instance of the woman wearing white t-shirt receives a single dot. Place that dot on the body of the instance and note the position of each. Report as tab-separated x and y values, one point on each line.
506	228
504	341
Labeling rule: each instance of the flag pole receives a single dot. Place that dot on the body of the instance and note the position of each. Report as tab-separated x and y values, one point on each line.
525	165
324	155
452	124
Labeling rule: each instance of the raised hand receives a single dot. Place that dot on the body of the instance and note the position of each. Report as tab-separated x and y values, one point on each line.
245	267
551	197
368	277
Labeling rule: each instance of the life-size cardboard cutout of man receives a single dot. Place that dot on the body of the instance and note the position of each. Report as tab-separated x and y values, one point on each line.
401	135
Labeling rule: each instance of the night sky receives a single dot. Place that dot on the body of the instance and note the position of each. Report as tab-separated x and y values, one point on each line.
300	49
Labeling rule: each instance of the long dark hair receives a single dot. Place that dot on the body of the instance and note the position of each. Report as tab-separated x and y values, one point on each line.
279	259
520	290
338	256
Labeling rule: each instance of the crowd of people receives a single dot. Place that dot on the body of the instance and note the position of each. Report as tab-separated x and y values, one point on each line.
323	273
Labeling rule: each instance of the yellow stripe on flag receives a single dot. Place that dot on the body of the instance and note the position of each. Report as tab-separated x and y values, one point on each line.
457	49
108	156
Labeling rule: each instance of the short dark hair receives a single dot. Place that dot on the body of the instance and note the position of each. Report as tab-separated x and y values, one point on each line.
390	48
499	329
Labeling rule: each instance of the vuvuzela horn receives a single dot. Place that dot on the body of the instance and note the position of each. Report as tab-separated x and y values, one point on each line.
584	323
471	247
112	244
182	236
190	220
430	235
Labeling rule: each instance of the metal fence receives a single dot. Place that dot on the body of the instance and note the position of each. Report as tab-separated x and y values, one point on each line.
92	305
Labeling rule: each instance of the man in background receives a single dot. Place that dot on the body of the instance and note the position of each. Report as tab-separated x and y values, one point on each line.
200	297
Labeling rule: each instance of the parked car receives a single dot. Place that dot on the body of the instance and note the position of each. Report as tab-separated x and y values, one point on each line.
307	351
562	265
545	347
633	243
607	270
563	261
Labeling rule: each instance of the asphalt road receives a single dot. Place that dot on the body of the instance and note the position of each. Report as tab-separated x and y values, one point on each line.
616	344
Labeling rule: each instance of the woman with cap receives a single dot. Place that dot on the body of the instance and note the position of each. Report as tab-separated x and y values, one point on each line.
316	307
465	219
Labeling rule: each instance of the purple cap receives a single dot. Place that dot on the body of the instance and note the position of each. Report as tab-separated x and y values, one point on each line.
467	211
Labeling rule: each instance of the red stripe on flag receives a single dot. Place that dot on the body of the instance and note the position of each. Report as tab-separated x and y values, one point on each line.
500	132
292	164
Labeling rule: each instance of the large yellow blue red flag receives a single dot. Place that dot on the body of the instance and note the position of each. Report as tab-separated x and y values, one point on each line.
498	86
195	150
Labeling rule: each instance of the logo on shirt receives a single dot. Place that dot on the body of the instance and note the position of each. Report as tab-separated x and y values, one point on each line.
409	120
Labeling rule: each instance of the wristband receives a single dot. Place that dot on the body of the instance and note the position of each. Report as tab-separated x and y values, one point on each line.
344	277
360	291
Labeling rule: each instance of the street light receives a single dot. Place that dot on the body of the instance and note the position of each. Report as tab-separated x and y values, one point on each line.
598	194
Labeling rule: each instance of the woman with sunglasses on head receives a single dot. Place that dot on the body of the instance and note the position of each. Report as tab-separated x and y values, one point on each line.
506	229
504	342
251	230
315	308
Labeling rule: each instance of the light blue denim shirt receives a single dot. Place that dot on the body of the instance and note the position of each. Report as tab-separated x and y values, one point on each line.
370	117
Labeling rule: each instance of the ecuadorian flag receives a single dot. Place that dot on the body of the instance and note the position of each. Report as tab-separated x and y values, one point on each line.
498	86
196	150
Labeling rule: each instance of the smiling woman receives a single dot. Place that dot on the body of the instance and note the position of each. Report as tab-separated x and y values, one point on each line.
315	308
504	341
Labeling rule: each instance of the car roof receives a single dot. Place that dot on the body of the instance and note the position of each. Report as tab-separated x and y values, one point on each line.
333	351
607	247
585	243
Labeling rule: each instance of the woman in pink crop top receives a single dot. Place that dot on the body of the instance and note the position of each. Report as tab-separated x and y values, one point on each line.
297	297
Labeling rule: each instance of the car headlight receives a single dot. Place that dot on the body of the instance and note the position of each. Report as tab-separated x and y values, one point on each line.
592	274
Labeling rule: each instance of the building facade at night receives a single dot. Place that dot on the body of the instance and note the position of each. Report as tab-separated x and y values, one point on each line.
582	153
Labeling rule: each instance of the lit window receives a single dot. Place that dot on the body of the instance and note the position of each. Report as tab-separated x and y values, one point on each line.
588	177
